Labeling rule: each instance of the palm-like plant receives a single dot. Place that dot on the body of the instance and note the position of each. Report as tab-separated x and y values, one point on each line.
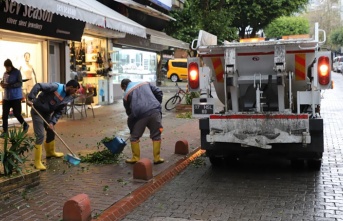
16	144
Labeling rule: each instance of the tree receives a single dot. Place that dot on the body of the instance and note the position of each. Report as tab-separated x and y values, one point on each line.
258	14
208	15
327	14
287	26
224	17
336	37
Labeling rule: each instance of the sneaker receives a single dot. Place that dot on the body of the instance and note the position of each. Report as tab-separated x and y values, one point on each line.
26	127
3	135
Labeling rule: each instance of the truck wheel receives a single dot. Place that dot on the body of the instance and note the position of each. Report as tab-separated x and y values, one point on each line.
231	160
215	161
297	163
314	164
174	78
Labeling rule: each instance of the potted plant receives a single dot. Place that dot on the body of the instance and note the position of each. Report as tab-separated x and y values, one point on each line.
16	145
187	106
189	97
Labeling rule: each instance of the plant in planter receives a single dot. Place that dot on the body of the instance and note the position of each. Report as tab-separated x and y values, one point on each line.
16	144
189	97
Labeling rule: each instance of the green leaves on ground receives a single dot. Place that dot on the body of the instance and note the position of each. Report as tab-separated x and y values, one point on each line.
186	115
101	157
199	161
108	139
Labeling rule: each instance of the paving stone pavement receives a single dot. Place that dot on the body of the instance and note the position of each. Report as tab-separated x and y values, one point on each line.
258	187
105	184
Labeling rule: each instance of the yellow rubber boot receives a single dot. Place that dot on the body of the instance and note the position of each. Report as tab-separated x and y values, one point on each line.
157	150
38	158
50	150
136	153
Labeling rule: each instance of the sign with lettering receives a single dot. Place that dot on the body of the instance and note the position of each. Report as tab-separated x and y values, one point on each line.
24	18
202	107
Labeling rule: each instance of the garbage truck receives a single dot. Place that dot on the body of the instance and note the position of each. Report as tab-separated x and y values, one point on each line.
270	90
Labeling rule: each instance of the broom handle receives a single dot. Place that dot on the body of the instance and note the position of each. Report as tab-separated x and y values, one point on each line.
53	130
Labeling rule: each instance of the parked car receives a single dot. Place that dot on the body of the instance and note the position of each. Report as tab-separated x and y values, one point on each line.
337	64
177	69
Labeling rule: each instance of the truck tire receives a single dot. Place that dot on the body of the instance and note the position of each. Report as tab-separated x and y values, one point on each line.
297	163
231	160
215	161
314	164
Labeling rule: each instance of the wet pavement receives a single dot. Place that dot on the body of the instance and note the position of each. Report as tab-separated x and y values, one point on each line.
258	187
104	184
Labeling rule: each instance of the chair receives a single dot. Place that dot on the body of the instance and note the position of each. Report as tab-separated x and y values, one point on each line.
79	105
82	103
89	100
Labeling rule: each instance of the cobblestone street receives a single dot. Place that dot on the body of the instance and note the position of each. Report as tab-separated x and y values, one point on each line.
259	188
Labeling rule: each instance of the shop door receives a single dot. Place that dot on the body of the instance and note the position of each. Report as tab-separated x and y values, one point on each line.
54	63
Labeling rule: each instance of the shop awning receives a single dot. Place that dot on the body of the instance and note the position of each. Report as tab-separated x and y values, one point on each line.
102	32
162	38
89	11
163	4
146	9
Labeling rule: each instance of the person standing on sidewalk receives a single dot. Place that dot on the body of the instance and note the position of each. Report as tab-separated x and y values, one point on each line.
142	102
12	84
48	99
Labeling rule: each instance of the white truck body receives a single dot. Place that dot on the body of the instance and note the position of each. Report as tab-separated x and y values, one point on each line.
271	98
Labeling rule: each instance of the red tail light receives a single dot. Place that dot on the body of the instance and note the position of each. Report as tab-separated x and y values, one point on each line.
193	75
324	70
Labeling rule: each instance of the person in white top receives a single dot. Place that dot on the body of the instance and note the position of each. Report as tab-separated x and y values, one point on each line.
28	73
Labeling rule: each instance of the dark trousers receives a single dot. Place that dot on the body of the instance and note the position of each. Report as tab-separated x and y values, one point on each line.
39	126
16	107
153	123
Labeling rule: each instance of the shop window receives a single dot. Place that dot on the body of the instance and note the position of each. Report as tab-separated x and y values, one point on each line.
133	64
51	49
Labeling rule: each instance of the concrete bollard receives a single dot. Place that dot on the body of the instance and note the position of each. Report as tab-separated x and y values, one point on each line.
181	147
142	170
77	208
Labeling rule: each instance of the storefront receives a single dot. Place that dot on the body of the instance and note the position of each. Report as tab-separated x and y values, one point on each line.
101	68
88	59
34	40
38	37
136	65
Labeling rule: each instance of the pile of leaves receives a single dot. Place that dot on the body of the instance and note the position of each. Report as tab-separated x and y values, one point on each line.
107	139
199	161
101	157
186	115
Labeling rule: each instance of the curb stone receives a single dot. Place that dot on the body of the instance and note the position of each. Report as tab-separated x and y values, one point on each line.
121	208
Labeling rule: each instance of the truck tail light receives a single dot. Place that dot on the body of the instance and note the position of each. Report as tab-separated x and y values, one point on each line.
193	75
324	70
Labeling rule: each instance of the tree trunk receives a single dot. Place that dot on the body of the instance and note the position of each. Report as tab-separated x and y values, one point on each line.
159	71
242	32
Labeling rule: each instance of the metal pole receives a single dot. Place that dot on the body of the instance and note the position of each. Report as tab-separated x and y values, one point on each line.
108	77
